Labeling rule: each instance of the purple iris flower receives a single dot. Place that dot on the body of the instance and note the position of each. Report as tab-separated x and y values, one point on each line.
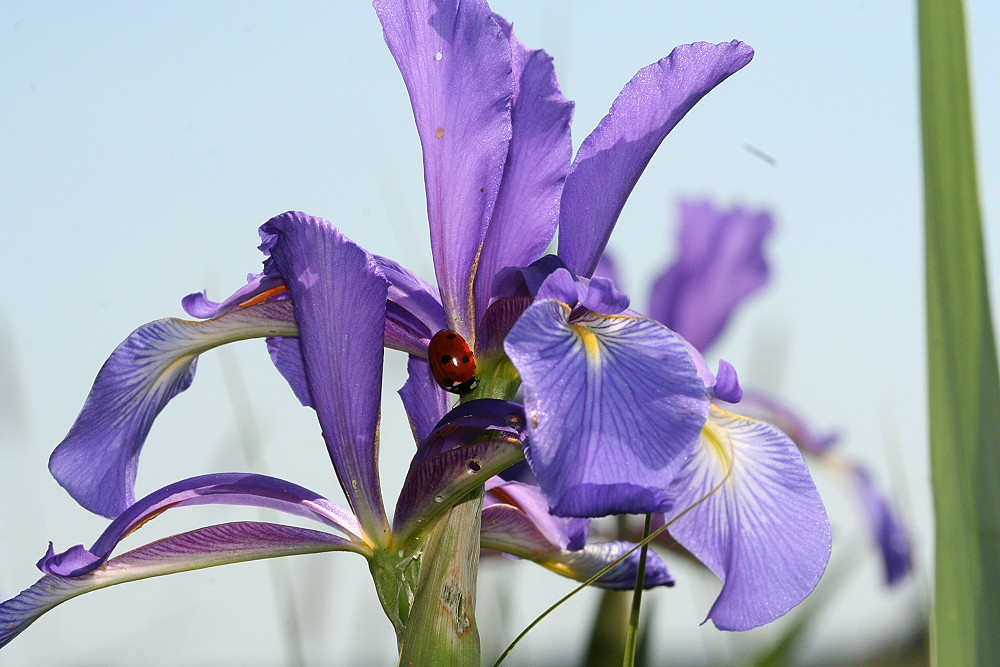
720	263
617	413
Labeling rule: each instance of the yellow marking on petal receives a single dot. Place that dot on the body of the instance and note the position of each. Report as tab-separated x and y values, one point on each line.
591	344
439	133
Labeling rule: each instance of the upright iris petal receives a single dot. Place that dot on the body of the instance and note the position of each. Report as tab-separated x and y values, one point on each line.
339	295
527	207
456	63
721	262
612	158
614	405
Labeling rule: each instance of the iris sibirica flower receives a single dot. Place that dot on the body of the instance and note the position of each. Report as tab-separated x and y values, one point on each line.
614	412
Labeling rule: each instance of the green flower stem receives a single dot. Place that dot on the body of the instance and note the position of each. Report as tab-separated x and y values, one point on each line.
962	362
633	621
441	630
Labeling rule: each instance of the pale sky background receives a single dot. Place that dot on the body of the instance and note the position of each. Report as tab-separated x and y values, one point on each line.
143	143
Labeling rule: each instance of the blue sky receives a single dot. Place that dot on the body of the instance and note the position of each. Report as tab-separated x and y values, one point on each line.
144	143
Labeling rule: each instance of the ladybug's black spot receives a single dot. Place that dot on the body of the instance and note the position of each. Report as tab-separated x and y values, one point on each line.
449	383
446	359
465	359
452	336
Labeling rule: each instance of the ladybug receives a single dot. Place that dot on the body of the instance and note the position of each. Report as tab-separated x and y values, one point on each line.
452	362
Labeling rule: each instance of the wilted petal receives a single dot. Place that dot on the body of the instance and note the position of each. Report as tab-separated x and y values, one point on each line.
612	158
436	484
721	262
886	527
339	295
456	63
614	404
748	509
205	547
527	208
97	460
506	528
215	489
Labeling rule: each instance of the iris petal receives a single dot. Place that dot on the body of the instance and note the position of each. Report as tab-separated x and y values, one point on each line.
97	460
612	158
721	262
614	404
527	207
205	547
507	529
339	295
457	68
220	489
756	519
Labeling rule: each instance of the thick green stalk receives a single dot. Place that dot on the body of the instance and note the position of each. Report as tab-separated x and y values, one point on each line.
962	362
441	630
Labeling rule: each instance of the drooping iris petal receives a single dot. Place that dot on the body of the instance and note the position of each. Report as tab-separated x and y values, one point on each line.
886	527
215	489
527	207
507	529
612	158
566	533
614	404
457	68
339	295
748	509
205	547
97	460
721	262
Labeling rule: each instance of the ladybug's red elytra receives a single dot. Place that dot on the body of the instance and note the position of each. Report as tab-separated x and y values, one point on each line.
452	362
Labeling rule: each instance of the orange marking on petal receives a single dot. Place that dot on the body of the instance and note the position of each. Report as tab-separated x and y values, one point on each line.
149	518
439	133
264	296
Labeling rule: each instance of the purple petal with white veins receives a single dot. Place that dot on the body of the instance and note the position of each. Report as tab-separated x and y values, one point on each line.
612	158
425	402
888	530
507	529
721	262
339	295
215	489
97	460
755	519
456	63
205	547
614	405
527	207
